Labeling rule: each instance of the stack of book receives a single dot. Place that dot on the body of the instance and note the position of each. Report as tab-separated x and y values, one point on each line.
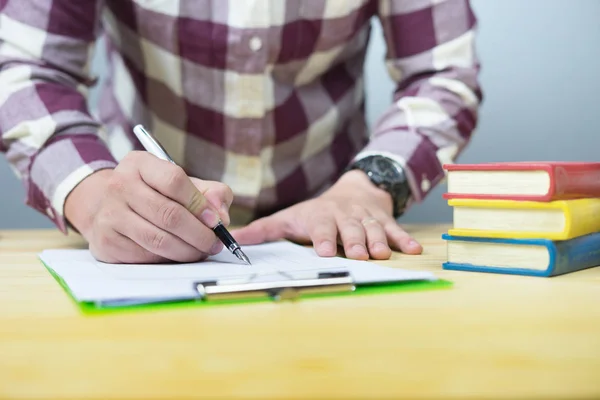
527	218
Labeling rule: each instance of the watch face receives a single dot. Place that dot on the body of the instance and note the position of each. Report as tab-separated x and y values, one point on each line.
386	174
387	170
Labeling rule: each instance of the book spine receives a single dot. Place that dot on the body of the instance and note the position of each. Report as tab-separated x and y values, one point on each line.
582	217
577	254
574	182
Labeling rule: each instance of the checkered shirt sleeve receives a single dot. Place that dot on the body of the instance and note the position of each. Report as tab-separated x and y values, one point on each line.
50	139
431	56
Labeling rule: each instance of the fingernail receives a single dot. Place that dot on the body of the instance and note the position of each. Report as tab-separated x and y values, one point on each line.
379	247
326	247
413	243
209	217
216	248
357	248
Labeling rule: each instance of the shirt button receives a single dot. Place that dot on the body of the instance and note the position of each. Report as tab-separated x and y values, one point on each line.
255	43
425	184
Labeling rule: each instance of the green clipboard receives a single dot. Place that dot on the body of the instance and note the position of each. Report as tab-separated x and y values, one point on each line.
339	285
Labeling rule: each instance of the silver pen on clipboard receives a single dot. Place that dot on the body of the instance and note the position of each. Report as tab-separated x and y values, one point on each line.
153	146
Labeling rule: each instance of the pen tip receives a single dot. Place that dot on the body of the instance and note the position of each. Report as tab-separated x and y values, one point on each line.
246	260
240	254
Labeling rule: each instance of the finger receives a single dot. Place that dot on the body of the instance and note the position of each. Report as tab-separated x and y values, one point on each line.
218	194
400	240
267	229
353	237
171	181
171	217
376	239
156	240
322	230
112	247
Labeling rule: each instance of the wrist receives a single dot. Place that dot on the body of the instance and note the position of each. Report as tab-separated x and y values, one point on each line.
358	180
84	201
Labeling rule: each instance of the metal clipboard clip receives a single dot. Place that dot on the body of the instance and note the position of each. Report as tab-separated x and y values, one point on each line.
286	289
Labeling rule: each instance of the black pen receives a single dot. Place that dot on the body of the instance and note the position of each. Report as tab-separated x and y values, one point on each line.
153	146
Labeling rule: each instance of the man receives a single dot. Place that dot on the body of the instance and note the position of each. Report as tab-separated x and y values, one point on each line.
260	102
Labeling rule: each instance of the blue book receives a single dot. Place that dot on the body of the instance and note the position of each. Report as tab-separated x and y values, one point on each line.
534	257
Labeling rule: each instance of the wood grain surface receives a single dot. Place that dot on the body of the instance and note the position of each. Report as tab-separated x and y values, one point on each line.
489	336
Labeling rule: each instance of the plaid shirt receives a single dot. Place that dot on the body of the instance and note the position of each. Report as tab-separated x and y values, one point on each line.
266	96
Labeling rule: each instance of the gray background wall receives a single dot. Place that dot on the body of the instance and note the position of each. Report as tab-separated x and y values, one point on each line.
541	60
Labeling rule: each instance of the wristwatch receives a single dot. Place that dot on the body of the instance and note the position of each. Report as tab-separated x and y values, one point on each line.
388	175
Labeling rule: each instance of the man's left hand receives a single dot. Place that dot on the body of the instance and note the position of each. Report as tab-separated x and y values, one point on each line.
353	213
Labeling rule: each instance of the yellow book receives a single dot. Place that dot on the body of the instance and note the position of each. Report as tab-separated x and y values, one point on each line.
555	220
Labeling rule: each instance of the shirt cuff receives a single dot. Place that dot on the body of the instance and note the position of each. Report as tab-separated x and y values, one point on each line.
417	156
58	168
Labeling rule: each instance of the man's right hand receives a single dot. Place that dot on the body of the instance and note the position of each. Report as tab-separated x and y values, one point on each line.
148	210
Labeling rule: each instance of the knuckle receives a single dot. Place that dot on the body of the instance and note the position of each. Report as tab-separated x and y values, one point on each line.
134	155
356	211
103	246
131	160
170	216
116	184
352	223
104	220
328	207
103	242
175	178
227	192
155	239
223	188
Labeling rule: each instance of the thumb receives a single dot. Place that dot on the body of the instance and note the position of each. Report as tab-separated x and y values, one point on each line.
218	194
267	229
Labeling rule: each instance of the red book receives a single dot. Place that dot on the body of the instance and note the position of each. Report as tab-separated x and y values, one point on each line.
527	181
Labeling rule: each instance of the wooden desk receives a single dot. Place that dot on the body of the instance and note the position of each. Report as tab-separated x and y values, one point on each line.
489	336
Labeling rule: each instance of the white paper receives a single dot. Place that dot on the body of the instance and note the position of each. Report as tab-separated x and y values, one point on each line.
93	281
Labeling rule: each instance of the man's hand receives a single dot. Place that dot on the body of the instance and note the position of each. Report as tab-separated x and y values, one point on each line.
148	210
353	212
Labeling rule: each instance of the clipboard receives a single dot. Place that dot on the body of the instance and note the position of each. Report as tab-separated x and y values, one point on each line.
288	288
239	292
